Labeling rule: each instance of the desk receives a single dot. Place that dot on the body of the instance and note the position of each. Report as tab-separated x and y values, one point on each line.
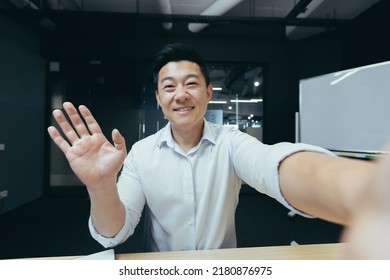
299	252
334	251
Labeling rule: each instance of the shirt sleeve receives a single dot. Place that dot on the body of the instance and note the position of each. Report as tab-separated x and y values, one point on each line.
131	194
281	152
109	242
258	164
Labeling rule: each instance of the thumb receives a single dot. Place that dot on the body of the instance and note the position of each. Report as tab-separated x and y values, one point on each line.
119	140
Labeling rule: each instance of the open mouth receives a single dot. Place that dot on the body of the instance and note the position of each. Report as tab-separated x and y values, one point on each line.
184	109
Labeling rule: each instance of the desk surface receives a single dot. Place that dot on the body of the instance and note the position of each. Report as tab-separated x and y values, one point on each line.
299	252
334	251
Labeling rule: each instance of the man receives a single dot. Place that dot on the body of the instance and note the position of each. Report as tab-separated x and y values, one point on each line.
189	173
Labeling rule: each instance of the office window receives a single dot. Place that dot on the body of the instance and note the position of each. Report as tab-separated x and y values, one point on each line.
238	96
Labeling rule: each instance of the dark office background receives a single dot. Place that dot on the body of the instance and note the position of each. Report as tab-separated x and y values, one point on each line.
38	220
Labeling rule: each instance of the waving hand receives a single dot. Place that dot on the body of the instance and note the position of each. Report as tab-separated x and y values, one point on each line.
91	156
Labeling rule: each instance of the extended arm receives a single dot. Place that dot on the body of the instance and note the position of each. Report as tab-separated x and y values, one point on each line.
324	186
95	161
351	192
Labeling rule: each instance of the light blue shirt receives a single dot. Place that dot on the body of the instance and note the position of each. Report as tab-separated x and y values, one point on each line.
192	198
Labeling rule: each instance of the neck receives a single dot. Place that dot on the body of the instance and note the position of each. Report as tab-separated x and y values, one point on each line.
187	138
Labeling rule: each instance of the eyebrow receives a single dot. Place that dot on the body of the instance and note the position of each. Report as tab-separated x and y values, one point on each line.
169	78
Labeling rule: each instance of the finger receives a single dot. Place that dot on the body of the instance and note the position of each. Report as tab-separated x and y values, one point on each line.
75	118
65	126
58	139
119	140
92	124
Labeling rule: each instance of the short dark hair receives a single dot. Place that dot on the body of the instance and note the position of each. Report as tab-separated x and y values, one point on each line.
178	52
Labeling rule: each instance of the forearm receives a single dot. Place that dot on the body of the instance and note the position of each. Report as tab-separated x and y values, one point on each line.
324	186
107	210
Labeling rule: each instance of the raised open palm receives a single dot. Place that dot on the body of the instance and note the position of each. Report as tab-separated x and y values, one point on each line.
91	156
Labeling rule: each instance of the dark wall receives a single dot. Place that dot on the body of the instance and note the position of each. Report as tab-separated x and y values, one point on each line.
367	41
22	115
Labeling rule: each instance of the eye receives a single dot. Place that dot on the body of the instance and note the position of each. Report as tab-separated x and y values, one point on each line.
192	84
168	87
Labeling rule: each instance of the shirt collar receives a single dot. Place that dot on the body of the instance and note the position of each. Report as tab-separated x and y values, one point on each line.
166	135
209	133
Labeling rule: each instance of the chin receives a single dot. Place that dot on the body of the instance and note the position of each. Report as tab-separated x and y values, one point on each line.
185	122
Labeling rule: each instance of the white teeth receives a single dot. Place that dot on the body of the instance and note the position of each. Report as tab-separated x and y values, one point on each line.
184	109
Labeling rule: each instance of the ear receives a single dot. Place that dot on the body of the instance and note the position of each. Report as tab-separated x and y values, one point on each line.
209	92
157	97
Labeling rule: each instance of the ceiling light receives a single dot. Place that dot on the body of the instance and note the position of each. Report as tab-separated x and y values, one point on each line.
246	100
166	9
217	102
217	8
217	88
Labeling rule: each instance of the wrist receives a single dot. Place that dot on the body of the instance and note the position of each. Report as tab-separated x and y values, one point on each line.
103	187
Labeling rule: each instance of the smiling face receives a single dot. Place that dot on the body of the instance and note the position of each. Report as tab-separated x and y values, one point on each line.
183	94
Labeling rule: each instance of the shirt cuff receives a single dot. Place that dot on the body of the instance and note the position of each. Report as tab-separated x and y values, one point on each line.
109	242
283	153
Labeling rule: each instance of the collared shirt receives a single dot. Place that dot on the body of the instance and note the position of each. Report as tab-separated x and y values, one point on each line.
192	197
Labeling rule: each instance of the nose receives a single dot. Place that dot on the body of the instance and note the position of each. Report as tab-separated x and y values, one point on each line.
181	94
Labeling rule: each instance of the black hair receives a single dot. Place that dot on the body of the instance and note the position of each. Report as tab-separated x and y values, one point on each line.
178	52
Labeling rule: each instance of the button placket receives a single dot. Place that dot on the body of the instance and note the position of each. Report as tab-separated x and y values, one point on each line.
190	198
